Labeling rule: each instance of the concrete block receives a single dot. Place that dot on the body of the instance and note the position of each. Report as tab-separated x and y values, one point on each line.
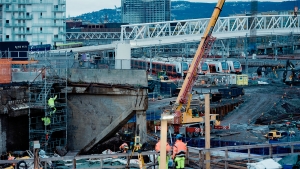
109	76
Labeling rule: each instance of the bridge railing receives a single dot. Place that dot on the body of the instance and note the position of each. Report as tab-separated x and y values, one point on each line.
265	24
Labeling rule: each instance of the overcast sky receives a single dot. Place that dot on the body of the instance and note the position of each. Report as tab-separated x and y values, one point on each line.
77	7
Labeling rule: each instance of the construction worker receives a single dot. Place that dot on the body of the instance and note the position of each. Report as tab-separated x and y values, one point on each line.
179	151
124	147
51	104
157	149
46	120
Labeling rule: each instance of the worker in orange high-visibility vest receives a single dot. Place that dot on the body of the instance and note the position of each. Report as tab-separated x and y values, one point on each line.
179	151
124	147
157	149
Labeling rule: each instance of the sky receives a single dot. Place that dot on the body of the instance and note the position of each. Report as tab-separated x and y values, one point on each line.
77	7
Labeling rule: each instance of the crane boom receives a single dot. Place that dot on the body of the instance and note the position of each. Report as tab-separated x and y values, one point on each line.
192	72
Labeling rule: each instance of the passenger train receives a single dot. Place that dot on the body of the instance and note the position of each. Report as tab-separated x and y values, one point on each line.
173	68
220	67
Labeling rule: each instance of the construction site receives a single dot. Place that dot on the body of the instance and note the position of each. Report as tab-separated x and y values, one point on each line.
68	109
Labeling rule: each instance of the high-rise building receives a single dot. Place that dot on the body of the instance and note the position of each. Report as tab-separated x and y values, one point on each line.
145	11
35	21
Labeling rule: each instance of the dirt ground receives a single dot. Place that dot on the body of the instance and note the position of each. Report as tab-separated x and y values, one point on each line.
274	103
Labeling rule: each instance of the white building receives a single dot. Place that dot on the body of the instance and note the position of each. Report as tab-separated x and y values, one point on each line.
35	21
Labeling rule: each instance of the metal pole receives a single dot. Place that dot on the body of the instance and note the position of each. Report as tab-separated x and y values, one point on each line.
150	61
276	49
207	128
246	55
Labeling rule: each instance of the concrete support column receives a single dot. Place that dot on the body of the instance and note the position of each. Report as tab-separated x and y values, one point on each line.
123	56
141	123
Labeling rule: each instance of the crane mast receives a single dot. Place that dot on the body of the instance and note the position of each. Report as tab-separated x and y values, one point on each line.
205	43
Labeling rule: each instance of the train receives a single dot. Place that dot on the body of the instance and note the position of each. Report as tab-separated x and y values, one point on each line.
173	68
43	47
220	67
69	45
177	68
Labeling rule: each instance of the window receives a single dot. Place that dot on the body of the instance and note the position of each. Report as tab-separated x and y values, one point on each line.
7	36
27	28
7	21
55	36
27	14
41	14
41	29
7	6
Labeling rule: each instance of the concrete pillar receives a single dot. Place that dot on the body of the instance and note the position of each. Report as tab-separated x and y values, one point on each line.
207	128
141	123
123	56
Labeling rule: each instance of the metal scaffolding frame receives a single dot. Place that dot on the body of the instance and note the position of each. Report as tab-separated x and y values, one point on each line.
52	83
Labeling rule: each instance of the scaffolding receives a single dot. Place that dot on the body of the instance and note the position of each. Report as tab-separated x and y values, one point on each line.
50	83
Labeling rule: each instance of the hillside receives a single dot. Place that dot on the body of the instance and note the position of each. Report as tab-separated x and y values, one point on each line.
182	10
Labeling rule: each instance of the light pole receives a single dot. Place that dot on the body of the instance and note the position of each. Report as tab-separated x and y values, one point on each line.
246	54
163	139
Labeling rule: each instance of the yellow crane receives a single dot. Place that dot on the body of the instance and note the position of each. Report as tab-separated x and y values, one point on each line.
184	96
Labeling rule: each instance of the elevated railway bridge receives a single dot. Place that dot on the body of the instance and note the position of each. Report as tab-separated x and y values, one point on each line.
274	28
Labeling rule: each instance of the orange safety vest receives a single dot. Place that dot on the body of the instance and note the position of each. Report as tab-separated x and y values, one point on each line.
123	146
157	147
179	148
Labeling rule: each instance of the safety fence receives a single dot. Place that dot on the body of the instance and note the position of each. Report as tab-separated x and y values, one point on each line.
118	160
239	155
224	157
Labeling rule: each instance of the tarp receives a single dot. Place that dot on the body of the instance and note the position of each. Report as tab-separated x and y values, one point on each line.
289	160
265	164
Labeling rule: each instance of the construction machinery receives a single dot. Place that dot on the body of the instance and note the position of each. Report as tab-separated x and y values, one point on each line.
275	134
291	74
184	120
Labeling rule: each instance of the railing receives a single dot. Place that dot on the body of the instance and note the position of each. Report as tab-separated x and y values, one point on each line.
14	9
221	156
52	17
22	17
39	9
47	24
15	25
224	156
21	32
101	158
59	9
24	1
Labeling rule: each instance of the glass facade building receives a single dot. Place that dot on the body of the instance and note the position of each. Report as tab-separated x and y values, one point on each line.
145	11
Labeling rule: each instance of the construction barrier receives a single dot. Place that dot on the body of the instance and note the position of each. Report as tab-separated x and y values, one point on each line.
5	71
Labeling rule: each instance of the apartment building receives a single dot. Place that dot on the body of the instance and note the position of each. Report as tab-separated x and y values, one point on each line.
35	21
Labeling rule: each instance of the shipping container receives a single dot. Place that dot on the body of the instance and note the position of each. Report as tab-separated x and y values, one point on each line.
232	79
242	80
17	50
5	71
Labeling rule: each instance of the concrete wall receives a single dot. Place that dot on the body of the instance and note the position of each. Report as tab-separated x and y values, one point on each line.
109	76
13	124
123	56
3	134
89	115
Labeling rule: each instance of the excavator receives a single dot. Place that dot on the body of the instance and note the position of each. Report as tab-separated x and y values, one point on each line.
291	74
184	119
